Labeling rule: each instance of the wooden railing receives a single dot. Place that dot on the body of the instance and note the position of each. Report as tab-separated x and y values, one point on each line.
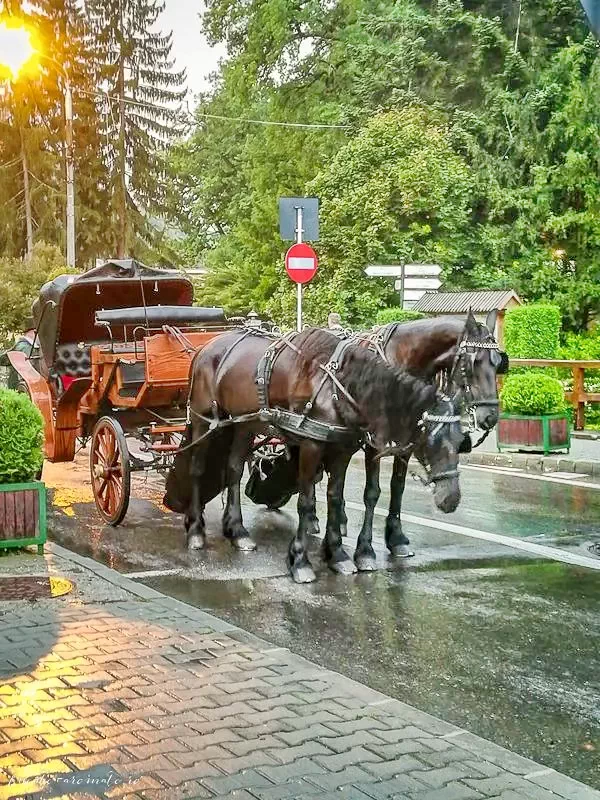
578	397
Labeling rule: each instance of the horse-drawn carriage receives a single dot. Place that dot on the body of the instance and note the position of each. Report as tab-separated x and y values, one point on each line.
115	347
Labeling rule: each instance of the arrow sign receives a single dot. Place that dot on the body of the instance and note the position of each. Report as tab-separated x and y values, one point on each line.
415	270
431	284
301	263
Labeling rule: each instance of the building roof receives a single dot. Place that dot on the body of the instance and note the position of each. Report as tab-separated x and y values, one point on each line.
461	302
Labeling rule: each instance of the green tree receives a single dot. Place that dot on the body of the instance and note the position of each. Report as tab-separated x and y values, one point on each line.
142	93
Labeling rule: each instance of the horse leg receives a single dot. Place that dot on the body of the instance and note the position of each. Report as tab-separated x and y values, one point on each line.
233	528
194	519
337	558
396	541
311	456
364	556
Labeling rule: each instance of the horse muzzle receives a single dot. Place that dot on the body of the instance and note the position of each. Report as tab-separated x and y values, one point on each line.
446	492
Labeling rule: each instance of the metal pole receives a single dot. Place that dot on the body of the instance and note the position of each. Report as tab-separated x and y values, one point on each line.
299	232
70	168
402	284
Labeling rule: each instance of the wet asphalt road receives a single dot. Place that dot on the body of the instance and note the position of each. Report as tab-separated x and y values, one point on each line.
495	640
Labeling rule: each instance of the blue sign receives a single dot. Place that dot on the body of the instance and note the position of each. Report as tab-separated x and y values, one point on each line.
592	9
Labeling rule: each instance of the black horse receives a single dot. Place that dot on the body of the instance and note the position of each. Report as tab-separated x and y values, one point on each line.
326	396
463	357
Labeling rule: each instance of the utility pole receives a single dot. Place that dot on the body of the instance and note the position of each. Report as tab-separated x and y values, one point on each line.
70	170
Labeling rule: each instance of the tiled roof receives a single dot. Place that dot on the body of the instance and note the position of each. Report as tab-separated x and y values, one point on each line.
461	302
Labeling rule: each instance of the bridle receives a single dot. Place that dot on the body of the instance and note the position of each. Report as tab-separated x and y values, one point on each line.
437	421
464	388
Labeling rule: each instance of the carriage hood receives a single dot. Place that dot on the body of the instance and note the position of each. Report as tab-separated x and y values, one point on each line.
65	309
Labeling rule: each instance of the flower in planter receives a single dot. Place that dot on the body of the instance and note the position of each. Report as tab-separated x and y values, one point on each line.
21	438
532	394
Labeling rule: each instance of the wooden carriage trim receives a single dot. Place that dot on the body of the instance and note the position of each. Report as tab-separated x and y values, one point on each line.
40	395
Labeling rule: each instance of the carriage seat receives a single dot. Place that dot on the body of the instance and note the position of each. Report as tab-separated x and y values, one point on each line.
73	361
155	316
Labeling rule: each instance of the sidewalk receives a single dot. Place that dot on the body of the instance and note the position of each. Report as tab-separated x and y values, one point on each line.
584	457
118	691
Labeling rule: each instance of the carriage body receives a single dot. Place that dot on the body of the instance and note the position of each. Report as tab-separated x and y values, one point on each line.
116	345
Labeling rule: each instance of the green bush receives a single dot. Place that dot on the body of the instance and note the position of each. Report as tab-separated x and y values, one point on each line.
580	346
533	394
20	283
21	437
397	314
532	331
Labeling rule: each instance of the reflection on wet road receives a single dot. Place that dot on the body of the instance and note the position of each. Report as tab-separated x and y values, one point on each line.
496	641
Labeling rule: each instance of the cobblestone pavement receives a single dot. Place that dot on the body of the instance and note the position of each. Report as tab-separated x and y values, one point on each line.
118	691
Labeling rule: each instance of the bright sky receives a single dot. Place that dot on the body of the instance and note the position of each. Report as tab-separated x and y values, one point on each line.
189	46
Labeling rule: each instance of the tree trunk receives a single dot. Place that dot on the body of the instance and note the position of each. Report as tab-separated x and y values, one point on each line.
26	191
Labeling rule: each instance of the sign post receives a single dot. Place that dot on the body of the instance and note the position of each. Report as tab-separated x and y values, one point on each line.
299	216
299	232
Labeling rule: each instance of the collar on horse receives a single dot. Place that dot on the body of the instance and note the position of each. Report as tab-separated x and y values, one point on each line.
302	423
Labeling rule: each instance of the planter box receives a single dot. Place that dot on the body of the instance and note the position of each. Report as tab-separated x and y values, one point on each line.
23	515
546	434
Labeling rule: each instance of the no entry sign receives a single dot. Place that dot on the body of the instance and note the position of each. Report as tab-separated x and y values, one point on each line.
301	263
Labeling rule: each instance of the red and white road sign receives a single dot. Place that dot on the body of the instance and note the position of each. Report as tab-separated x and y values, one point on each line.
301	263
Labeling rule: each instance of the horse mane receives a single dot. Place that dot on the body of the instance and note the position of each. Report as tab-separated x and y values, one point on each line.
387	396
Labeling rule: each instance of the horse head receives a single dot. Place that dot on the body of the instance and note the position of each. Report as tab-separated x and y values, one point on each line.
472	377
437	447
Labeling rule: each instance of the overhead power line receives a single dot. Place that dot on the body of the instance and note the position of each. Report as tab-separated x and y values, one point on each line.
192	118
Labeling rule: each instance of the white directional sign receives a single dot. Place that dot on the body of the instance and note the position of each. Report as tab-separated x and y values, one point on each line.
431	284
422	269
384	270
412	295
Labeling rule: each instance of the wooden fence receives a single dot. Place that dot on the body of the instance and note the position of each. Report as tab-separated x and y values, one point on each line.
578	397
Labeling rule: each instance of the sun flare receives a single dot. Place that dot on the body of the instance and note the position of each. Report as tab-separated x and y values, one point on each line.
16	49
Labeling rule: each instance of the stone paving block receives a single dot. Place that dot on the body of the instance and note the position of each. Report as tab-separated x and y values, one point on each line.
243	746
291	789
304	734
346	727
188	790
497	755
187	758
497	784
286	754
48	753
33	770
341	743
388	769
333	780
392	787
248	779
355	756
452	791
445	757
443	775
401	748
300	768
250	761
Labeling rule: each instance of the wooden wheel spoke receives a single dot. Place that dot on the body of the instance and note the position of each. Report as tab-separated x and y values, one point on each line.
110	469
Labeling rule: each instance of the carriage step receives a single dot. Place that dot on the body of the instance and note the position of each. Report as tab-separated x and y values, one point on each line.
161	447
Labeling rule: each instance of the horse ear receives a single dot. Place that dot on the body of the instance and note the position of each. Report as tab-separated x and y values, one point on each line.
471	323
490	321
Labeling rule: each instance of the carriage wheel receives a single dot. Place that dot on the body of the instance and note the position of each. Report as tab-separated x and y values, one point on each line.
110	469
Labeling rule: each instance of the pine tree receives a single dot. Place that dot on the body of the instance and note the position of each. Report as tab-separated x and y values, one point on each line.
142	93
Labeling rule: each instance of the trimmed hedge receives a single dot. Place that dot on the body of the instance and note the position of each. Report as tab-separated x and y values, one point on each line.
532	331
21	437
533	394
397	314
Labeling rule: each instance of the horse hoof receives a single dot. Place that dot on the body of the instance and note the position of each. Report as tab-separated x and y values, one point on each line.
365	563
343	567
401	551
244	544
304	574
196	542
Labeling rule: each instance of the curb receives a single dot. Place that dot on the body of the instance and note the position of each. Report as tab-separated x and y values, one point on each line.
541	778
531	462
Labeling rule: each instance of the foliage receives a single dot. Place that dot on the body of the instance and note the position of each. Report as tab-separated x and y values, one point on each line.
397	314
142	92
532	331
21	437
580	346
20	283
532	394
